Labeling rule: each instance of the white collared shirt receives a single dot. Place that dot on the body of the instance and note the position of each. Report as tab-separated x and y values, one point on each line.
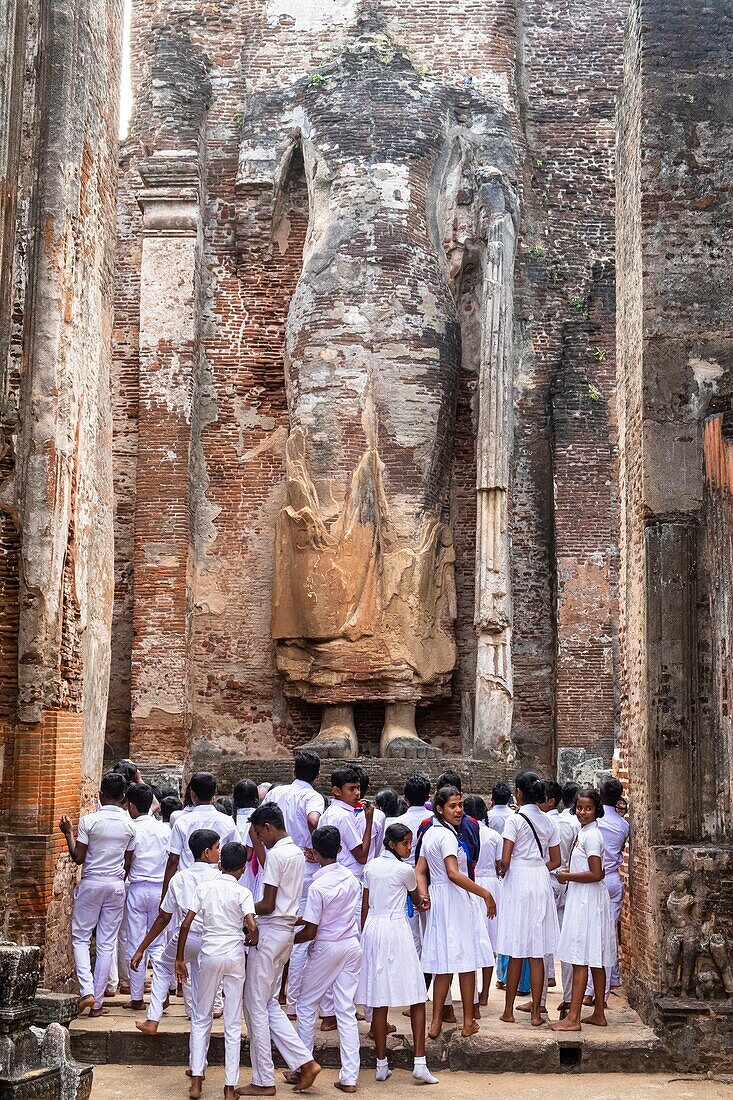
568	828
351	828
497	818
489	852
222	906
181	889
108	834
615	832
332	901
297	801
151	850
413	819
285	869
200	817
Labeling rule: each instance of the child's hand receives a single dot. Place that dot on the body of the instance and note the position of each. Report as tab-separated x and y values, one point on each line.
252	937
563	876
181	971
310	855
490	905
424	903
66	826
136	959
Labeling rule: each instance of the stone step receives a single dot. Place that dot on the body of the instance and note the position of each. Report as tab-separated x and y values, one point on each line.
625	1046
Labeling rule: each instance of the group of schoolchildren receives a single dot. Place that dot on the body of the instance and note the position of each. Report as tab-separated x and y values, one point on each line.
278	907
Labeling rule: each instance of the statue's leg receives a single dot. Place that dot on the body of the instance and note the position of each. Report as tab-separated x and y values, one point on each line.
690	950
399	736
337	736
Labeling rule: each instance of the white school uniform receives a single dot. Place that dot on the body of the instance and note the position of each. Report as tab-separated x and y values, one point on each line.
379	824
413	819
99	899
222	906
297	801
266	1021
252	877
391	974
568	828
497	818
456	938
485	873
588	936
528	927
615	832
351	827
177	901
333	963
199	817
143	894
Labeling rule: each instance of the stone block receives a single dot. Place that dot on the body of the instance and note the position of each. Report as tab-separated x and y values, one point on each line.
60	1008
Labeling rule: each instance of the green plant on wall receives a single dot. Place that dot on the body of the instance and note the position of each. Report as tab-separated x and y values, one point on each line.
537	250
579	305
601	355
594	393
239	123
316	80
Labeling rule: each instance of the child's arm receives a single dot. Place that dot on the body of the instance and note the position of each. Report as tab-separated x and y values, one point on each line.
593	874
259	849
364	907
159	924
180	967
252	931
129	856
506	857
459	879
421	874
555	859
361	852
307	933
170	869
77	851
269	900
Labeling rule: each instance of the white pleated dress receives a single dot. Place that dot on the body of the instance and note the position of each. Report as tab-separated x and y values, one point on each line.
391	974
485	872
456	938
528	926
588	936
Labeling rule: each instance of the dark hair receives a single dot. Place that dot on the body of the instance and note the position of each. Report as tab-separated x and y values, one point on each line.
386	801
341	776
531	787
157	793
363	779
126	768
245	795
203	785
141	796
475	806
187	800
553	791
594	795
326	840
233	856
225	806
200	840
402	805
268	814
444	794
569	791
449	779
501	794
395	834
611	792
306	765
169	805
113	786
417	789
168	792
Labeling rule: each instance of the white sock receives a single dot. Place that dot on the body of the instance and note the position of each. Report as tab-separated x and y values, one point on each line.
383	1070
421	1072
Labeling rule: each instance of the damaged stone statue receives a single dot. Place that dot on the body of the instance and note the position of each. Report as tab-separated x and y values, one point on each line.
408	181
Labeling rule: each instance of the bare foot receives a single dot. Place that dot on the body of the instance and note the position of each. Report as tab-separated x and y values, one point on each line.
527	1007
196	1088
308	1074
86	1002
507	1018
291	1016
433	1032
292	1076
551	984
124	989
257	1090
344	1088
596	1020
148	1027
473	1027
94	1012
449	1015
476	1012
501	985
483	1000
218	1015
536	1018
229	1093
167	1002
328	1023
134	1006
405	1012
588	1001
370	1033
564	1025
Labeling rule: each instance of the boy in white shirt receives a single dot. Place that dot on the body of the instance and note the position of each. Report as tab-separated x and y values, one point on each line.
302	807
204	845
103	848
225	909
145	879
334	956
354	828
277	912
202	815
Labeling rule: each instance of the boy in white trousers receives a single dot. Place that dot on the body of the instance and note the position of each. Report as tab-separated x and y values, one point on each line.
277	913
201	815
225	909
103	848
302	807
145	880
334	955
204	846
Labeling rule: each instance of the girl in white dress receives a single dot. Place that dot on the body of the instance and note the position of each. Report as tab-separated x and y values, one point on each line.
391	974
528	927
246	799
485	874
456	939
588	936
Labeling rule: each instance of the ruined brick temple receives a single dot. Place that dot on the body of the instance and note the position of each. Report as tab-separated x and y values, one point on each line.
376	390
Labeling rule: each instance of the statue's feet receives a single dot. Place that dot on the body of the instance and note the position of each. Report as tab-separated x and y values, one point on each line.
399	736
336	738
